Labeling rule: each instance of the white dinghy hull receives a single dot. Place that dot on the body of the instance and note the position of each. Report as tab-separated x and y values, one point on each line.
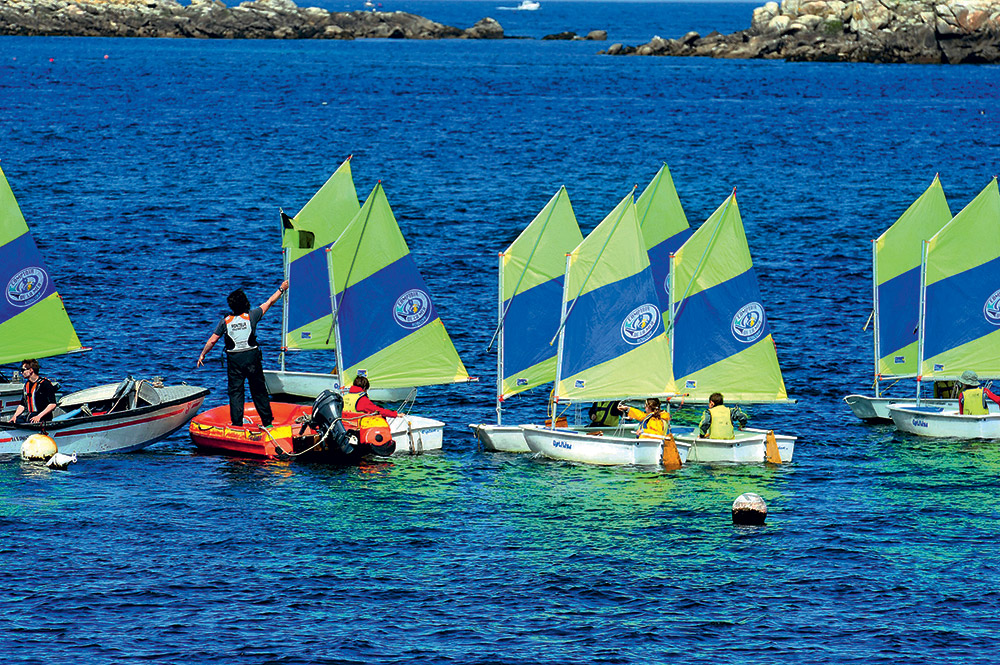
877	408
149	415
501	438
578	446
415	434
295	386
748	447
940	423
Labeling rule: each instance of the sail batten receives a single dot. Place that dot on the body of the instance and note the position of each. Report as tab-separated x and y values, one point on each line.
33	320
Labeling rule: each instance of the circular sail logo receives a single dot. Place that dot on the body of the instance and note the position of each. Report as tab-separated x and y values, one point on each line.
748	324
991	310
26	287
640	325
412	309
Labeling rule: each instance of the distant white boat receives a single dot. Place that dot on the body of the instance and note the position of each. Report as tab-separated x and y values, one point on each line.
526	5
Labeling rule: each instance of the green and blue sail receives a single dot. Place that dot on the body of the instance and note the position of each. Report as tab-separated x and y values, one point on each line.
613	342
305	239
33	320
961	321
532	271
385	323
897	259
664	228
721	338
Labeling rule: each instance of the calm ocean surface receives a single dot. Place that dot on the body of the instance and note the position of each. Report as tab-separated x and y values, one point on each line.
151	174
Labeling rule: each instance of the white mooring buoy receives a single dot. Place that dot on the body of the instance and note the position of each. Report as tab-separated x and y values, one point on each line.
749	509
60	461
38	447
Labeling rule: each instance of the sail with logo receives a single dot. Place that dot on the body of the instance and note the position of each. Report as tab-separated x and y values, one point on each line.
531	283
612	343
720	337
896	277
959	325
33	320
307	313
385	323
664	228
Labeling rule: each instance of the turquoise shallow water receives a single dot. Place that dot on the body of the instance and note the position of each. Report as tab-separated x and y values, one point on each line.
151	180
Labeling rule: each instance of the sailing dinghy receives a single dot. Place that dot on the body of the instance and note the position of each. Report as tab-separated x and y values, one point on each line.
531	276
34	324
959	322
896	256
384	323
306	314
612	345
720	339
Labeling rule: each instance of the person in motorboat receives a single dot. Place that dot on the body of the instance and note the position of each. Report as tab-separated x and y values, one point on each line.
972	398
244	359
717	420
652	421
38	400
603	414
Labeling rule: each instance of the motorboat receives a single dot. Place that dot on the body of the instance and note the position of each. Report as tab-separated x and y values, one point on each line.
314	432
111	418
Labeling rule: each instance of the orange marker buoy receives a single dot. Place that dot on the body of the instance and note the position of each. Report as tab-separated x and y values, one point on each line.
52	59
105	56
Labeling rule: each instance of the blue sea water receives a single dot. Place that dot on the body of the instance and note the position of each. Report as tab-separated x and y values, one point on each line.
151	173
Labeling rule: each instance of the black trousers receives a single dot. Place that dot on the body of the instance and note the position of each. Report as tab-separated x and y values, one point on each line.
246	366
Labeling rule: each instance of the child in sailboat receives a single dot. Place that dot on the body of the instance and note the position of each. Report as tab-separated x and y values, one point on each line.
652	421
718	419
972	398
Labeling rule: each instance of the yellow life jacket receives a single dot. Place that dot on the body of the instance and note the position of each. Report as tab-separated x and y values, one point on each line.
351	404
722	423
973	404
653	425
604	414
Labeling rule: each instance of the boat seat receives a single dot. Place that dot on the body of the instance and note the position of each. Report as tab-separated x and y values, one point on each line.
119	400
67	415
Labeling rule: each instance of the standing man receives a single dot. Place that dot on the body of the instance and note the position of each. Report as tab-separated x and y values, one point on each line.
38	400
717	421
244	360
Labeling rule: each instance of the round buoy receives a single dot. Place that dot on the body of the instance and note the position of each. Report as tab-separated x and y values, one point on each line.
38	447
749	509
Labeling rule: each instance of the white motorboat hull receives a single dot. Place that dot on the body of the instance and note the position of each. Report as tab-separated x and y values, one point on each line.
10	396
579	446
415	434
748	447
297	386
937	422
877	408
118	432
501	438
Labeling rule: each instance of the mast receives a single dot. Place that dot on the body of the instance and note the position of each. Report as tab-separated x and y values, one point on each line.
500	341
923	314
336	324
670	310
562	335
875	300
284	308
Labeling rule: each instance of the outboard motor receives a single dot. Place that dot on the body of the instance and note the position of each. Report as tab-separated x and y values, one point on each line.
327	423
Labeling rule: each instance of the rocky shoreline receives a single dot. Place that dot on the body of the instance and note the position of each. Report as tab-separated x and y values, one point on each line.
259	19
879	31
